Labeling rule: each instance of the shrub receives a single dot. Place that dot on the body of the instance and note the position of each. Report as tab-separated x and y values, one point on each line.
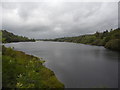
113	44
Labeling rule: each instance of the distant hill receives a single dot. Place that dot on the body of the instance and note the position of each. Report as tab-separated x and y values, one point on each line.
8	37
108	39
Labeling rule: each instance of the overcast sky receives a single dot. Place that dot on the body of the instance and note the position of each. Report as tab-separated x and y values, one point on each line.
58	19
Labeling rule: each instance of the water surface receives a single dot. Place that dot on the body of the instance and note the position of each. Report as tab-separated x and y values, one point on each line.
76	65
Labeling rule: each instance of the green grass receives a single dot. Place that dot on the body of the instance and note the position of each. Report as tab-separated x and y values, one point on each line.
21	70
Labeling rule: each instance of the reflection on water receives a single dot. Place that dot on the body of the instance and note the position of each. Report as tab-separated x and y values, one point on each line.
76	65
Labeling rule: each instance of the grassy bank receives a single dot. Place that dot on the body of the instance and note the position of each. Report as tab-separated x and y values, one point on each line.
108	39
21	70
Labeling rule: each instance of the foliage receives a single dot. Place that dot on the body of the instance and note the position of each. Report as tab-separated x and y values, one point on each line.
109	39
21	70
113	44
8	37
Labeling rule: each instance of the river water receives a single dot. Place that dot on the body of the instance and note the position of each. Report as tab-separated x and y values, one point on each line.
76	65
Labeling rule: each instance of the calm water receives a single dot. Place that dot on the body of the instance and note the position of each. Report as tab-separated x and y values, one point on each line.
76	65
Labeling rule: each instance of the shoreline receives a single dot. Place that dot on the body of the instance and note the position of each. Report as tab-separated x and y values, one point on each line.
25	65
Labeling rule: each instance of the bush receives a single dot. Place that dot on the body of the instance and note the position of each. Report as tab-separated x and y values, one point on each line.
113	44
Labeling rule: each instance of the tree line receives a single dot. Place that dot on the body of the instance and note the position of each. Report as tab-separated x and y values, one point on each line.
8	37
108	39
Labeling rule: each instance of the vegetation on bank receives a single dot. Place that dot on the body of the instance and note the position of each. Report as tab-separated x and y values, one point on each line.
20	70
108	39
8	37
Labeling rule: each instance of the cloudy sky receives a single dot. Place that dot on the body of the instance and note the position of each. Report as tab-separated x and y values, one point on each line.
58	18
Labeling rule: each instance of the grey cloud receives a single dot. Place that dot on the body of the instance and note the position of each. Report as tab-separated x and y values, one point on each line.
119	14
0	16
50	20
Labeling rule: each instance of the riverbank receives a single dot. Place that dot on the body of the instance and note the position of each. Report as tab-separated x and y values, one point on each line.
69	61
8	37
21	70
108	39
